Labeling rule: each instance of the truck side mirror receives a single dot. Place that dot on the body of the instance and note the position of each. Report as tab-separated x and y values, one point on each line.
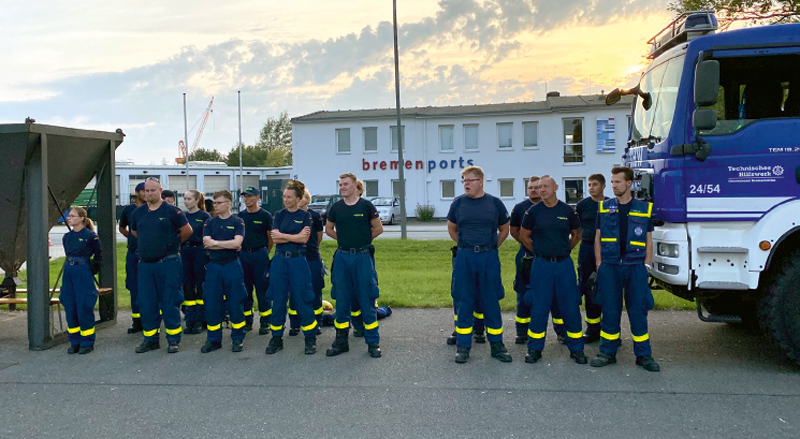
704	119
617	94
706	83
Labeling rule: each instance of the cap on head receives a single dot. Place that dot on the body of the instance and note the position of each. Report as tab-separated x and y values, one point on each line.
140	187
251	191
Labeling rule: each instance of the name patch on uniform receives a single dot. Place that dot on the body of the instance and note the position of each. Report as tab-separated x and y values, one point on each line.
230	227
298	222
198	219
562	218
358	214
161	219
256	222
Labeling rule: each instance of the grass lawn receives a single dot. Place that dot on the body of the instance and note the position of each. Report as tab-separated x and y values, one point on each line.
411	273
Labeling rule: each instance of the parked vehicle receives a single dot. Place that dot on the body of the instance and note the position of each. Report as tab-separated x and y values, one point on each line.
388	208
322	204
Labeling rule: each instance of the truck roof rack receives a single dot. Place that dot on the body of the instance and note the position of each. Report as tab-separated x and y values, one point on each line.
685	27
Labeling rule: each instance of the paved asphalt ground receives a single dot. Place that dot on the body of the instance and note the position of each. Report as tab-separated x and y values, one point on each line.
717	381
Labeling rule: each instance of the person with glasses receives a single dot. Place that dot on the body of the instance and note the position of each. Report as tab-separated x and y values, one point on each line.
78	291
193	257
224	285
255	259
478	223
160	229
132	258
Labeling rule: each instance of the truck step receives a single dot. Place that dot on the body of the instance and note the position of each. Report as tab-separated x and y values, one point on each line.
722	285
721	250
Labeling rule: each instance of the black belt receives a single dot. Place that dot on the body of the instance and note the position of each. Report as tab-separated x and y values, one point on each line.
165	258
294	254
355	250
252	249
193	244
478	248
551	258
77	260
224	261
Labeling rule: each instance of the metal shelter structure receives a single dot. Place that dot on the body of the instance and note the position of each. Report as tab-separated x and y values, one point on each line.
45	169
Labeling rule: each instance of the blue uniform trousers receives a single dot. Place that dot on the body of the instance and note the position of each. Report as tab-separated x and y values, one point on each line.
612	280
317	284
521	282
160	291
79	295
194	274
356	281
555	281
291	277
586	266
224	289
132	282
477	283
256	268
477	325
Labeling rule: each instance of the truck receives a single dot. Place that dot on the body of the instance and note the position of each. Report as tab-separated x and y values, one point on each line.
714	142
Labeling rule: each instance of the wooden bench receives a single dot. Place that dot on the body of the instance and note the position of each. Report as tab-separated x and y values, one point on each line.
54	300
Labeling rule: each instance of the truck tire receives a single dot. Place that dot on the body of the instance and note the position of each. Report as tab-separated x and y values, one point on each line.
780	305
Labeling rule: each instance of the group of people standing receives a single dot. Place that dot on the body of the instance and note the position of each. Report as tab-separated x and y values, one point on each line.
614	262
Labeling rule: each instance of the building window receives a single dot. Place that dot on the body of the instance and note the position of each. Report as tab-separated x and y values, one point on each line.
394	137
343	140
370	188
448	189
396	188
504	132
525	186
506	187
573	140
370	139
471	137
573	188
530	133
446	138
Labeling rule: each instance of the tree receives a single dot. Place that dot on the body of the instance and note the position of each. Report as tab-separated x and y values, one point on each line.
273	148
207	155
755	11
251	156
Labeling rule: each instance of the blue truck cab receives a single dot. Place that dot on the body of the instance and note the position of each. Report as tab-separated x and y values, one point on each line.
715	145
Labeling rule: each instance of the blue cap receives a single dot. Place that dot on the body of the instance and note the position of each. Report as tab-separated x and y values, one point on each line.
139	187
251	191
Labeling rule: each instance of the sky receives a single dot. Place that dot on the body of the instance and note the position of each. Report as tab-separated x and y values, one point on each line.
104	65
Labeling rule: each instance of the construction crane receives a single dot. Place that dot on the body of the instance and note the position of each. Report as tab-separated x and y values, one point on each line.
183	154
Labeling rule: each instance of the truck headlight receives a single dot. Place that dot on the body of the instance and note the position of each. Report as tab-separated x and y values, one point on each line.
668	250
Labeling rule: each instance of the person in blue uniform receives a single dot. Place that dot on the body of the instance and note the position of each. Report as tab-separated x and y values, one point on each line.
587	213
289	273
223	288
193	257
623	248
354	222
132	258
478	223
315	264
550	230
160	228
78	292
255	259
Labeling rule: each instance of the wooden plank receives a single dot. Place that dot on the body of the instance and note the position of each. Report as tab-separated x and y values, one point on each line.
100	291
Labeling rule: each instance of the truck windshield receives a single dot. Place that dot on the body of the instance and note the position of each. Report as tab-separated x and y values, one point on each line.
662	82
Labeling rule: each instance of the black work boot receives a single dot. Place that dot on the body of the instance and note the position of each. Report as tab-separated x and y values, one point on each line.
173	347
500	352
136	327
248	326
451	341
86	349
521	339
311	345
462	355
210	346
293	331
275	344
562	338
198	327
237	346
533	356
603	359
189	329
648	363
73	349
340	345
479	336
374	350
147	346
358	326
263	328
591	336
578	356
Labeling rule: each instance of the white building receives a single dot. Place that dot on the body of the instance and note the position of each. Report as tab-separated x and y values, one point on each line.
569	138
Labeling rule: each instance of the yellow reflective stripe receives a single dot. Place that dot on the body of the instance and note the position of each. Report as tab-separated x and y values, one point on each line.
532	334
136	315
249	312
523	319
464	330
372	325
265	313
640	244
558	321
200	302
189	303
309	327
641	338
477	315
455	317
338	325
608	239
574	334
150	333
159	312
318	311
644	214
592	321
292	312
493	331
87	332
600	208
355	313
74	330
275	328
174	331
214	327
608	336
239	325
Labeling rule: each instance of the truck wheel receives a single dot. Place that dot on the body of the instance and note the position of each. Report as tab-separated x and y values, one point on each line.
780	306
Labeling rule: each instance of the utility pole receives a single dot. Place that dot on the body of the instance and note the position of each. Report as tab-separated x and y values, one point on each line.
400	161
